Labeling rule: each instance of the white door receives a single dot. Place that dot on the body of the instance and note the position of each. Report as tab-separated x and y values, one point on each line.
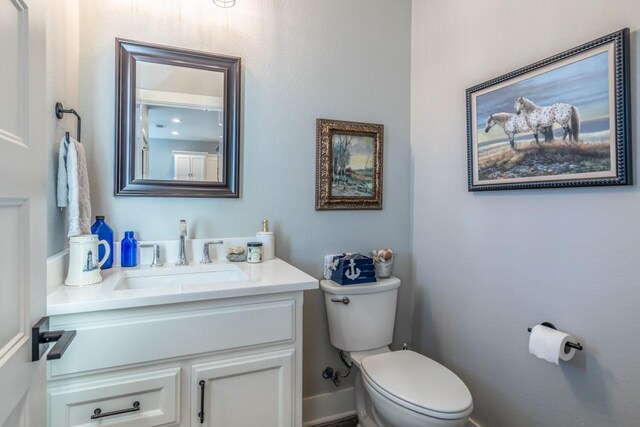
245	391
23	235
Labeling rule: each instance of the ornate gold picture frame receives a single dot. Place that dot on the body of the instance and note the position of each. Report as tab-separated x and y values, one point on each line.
348	165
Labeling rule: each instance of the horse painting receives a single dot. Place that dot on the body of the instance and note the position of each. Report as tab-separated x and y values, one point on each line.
566	115
513	124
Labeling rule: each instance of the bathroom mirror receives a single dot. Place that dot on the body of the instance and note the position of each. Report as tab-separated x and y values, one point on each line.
177	122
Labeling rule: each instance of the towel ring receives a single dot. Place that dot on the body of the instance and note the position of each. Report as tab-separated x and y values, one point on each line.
61	111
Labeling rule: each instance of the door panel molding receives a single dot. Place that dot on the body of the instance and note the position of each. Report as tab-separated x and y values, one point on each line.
21	248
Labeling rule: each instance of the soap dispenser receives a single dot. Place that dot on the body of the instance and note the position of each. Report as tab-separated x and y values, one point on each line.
268	240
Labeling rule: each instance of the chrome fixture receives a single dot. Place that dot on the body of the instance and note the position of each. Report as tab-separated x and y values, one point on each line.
344	300
156	253
224	3
182	256
205	251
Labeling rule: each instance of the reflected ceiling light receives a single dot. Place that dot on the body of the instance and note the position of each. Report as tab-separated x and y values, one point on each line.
176	120
174	133
224	3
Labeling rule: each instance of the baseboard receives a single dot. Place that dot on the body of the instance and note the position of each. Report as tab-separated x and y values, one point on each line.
326	407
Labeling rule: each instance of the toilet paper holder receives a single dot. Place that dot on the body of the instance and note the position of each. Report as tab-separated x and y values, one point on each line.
577	346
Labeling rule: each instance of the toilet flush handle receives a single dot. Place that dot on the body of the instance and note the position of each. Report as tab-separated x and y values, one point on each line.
344	300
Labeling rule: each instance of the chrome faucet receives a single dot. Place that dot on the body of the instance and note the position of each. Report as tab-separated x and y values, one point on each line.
182	257
205	251
156	253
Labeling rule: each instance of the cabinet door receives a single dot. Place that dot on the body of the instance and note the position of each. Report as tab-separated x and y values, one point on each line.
255	390
182	167
197	168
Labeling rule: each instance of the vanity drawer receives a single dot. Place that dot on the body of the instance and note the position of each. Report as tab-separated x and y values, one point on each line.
154	336
157	394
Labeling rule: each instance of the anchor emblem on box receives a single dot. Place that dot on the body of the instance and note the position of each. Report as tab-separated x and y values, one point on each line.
354	273
353	269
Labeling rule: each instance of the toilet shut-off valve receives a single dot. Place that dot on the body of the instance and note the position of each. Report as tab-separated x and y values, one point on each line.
335	376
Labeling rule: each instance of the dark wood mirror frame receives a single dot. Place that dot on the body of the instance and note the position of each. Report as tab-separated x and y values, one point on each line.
127	54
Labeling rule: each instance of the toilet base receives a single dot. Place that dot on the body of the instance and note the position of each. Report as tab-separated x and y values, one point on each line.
370	416
364	408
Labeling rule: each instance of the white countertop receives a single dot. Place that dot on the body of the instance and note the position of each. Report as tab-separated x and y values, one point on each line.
268	277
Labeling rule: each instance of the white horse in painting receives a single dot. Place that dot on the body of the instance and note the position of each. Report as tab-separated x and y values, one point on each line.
513	124
566	115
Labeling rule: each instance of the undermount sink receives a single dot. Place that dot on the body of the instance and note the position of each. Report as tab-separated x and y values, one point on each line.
179	277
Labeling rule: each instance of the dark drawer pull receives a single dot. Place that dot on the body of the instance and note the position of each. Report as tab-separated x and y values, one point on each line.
201	413
97	413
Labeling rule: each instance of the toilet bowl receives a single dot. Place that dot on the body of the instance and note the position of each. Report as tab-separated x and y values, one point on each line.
393	388
410	390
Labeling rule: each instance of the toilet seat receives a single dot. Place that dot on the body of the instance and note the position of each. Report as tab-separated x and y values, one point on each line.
418	383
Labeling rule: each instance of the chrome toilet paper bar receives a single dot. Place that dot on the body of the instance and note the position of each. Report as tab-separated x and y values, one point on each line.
577	346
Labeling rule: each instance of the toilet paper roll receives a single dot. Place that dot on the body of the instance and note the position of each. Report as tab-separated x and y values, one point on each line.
549	344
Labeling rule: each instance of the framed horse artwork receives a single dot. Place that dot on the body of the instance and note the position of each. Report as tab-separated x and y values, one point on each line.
561	122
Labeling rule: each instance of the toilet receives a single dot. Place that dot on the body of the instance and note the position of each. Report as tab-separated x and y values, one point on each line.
393	388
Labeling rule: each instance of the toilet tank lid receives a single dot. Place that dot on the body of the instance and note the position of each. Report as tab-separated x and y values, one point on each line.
418	382
382	285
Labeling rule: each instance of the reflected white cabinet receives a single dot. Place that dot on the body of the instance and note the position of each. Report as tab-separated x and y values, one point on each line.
189	165
214	172
233	362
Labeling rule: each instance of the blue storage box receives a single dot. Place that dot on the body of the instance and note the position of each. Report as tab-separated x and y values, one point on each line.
354	271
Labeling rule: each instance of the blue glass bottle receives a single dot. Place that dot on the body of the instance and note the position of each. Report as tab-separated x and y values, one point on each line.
129	250
104	232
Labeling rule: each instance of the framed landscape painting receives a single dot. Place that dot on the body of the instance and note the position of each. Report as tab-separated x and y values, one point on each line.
348	165
561	122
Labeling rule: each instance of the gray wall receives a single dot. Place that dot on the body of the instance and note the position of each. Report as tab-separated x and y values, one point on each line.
301	60
62	86
489	265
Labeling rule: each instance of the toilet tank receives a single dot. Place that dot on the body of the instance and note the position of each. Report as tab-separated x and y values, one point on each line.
366	322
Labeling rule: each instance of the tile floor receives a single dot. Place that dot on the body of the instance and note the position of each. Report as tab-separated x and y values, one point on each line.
345	422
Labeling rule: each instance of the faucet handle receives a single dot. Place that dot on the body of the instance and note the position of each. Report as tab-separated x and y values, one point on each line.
205	251
183	227
156	253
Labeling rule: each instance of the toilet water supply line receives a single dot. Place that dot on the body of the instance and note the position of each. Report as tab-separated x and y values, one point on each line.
335	376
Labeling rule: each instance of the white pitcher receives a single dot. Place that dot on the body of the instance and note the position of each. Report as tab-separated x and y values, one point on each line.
84	267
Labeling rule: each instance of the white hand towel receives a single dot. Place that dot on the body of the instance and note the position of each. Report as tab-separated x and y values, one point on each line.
63	186
73	187
84	199
72	184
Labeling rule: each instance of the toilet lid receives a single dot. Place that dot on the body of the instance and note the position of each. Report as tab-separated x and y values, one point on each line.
418	383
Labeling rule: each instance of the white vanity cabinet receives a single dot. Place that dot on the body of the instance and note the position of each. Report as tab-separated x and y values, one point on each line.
215	363
250	390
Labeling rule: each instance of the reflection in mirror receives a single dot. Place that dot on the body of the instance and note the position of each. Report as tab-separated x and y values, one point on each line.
176	122
180	123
